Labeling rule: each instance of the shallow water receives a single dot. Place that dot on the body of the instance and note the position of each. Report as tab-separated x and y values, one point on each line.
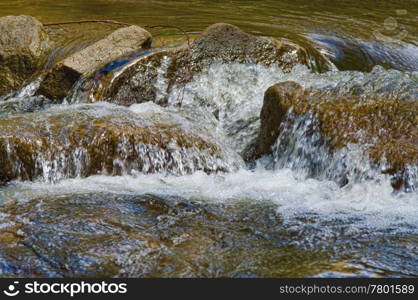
267	17
272	225
275	219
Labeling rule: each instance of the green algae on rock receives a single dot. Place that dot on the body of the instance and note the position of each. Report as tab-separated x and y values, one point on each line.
24	47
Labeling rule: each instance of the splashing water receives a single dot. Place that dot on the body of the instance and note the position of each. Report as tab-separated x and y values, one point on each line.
79	140
234	93
301	148
228	98
307	186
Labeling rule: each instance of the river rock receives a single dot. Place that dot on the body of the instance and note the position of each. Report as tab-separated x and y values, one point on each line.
277	101
129	235
155	75
386	129
82	140
24	46
85	62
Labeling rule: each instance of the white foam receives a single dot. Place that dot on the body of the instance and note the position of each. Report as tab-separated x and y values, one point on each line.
373	203
235	92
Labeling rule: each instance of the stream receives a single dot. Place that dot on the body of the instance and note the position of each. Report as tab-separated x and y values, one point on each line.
203	211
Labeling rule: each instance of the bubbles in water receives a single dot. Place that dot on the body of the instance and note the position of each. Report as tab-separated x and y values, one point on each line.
372	203
234	93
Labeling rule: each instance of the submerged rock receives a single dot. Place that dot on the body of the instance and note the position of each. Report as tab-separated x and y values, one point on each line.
153	76
85	62
83	140
386	129
111	235
24	46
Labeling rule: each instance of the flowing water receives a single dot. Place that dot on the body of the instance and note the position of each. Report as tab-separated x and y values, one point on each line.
284	215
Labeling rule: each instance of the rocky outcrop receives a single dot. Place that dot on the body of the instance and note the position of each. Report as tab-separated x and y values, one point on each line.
227	44
219	43
386	129
85	62
24	46
83	140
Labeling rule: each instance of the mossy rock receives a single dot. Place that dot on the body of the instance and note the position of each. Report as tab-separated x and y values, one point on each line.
387	128
85	62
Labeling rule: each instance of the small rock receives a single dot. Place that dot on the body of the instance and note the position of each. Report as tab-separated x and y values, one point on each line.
85	62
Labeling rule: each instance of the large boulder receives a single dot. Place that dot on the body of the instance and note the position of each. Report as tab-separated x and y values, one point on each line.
24	47
227	44
386	129
83	140
122	42
219	43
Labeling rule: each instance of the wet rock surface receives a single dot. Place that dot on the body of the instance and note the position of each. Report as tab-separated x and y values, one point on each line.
278	99
83	140
24	47
129	235
219	43
122	42
386	128
68	40
106	235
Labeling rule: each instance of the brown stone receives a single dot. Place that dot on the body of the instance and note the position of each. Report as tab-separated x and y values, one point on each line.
90	139
87	61
223	43
387	128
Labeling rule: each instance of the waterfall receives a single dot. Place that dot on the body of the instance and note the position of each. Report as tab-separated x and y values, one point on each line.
301	148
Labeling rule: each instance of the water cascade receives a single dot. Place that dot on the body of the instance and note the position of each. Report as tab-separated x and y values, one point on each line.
167	183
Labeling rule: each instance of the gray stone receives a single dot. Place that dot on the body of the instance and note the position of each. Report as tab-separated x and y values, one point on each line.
24	46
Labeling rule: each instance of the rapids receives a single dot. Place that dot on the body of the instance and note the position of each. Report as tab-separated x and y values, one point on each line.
286	214
316	214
